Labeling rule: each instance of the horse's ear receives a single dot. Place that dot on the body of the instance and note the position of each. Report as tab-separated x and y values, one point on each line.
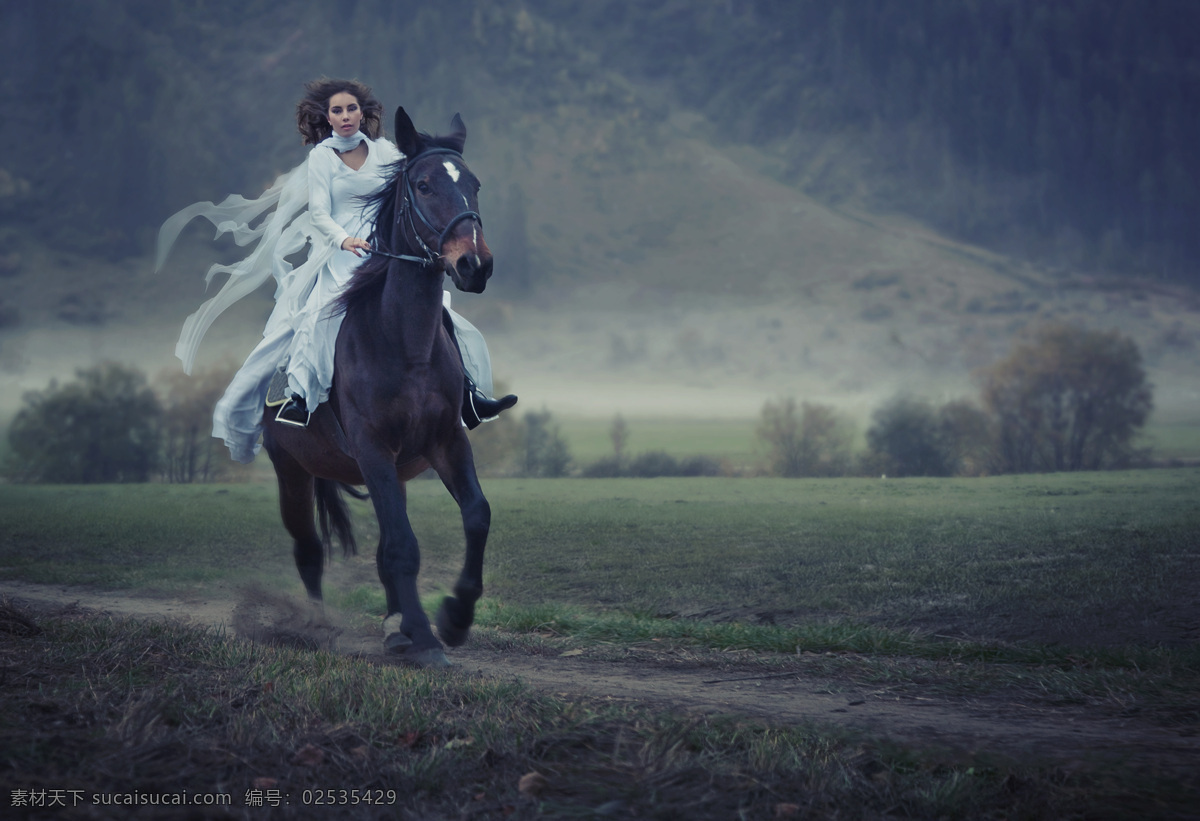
407	138
458	136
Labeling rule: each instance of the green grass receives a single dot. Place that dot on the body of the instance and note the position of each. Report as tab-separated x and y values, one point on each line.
987	557
112	706
1082	560
1040	590
157	537
1080	581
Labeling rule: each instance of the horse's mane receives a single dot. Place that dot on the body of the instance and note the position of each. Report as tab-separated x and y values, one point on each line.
368	279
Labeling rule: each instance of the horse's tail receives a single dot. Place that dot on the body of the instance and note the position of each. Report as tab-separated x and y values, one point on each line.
334	515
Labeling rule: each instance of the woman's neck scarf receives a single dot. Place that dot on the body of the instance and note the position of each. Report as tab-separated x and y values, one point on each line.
344	144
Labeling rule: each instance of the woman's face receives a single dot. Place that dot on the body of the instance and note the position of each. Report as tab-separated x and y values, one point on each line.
344	114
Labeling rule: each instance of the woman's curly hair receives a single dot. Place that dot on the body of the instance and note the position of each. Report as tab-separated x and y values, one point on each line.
312	111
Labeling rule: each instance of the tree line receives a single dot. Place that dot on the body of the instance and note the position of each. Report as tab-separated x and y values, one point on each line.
110	424
1067	399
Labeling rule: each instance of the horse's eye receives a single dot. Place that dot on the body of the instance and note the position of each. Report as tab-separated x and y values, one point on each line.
423	187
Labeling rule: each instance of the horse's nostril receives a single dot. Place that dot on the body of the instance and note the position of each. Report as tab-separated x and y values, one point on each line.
473	265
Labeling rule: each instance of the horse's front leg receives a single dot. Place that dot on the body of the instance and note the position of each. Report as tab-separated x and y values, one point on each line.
406	628
456	467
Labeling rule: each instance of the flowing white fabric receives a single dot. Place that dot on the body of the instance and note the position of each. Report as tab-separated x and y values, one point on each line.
280	234
300	331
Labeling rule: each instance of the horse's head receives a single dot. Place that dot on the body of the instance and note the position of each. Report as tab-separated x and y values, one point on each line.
442	203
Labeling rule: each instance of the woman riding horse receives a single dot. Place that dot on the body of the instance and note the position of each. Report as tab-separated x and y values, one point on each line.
348	163
397	406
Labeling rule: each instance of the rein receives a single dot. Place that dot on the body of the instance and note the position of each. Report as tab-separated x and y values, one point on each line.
408	205
424	262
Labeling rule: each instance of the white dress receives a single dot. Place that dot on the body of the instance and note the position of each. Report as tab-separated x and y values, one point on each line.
299	333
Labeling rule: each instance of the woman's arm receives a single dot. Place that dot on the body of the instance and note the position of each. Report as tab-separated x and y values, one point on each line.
320	198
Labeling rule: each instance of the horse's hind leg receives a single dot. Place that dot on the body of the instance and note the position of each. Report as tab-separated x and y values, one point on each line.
457	471
296	508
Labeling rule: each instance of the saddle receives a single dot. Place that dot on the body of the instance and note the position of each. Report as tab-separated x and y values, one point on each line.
277	390
277	394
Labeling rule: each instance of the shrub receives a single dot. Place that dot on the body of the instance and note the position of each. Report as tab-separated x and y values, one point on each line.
189	451
545	451
102	427
906	433
608	467
700	466
654	463
1070	399
651	464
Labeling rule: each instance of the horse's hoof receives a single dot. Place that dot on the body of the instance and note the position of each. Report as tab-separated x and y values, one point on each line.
396	642
447	632
428	658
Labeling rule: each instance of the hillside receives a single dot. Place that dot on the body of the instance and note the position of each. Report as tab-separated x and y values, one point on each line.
698	286
1064	132
649	261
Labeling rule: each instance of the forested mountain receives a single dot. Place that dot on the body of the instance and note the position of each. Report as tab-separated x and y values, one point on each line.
1068	132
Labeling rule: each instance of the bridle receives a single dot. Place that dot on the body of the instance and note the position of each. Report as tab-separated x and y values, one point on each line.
408	207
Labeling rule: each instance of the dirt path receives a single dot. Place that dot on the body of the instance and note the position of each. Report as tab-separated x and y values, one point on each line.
986	725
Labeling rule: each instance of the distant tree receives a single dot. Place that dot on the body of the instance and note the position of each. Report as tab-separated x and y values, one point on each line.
1070	399
780	429
905	432
814	443
189	452
619	434
967	439
102	427
546	453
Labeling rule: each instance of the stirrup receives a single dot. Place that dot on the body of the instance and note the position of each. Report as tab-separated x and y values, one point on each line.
293	412
477	408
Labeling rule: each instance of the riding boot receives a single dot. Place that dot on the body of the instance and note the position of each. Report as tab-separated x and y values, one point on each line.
477	408
294	412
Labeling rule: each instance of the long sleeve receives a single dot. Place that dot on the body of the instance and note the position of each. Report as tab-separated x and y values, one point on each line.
320	195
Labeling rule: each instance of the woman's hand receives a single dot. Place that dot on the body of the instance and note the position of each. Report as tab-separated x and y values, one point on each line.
354	244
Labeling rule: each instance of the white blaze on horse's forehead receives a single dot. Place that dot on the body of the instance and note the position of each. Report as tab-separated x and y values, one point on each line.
451	169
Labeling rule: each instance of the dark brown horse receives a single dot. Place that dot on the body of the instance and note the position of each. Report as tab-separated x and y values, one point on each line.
395	406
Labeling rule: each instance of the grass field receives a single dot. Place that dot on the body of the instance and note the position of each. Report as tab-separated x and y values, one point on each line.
1000	558
1058	589
109	709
